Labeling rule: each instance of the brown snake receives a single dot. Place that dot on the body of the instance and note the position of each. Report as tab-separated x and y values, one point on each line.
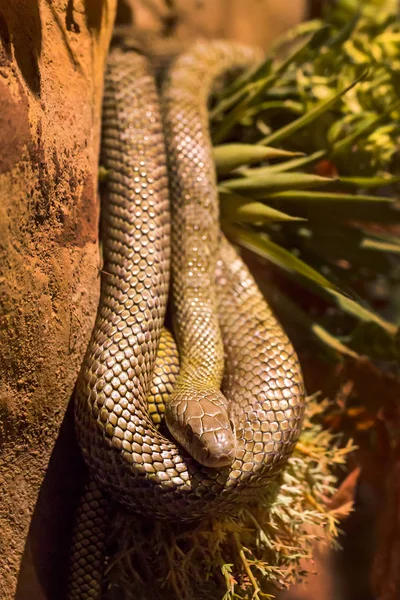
237	402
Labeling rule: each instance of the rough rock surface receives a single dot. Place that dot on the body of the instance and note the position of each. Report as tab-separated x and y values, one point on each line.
51	75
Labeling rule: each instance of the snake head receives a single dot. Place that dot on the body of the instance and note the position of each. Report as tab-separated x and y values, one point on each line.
200	423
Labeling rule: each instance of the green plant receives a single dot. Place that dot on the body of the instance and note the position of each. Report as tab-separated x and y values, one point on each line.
329	105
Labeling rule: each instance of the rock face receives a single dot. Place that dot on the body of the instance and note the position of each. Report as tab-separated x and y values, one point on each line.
51	75
52	57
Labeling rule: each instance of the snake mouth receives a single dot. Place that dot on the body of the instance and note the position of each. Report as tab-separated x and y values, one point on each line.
212	449
217	449
214	462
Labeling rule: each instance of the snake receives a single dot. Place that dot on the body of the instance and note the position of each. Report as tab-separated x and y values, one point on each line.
230	377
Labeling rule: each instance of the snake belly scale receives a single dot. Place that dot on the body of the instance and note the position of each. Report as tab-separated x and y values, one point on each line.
236	363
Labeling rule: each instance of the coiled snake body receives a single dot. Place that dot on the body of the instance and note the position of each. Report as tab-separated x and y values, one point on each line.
228	339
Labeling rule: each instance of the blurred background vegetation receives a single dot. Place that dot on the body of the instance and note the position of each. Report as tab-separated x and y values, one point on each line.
322	114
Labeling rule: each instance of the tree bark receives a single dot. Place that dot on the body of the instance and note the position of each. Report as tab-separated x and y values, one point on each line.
51	77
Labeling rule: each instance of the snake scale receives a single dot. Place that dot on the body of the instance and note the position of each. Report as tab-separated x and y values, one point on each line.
236	405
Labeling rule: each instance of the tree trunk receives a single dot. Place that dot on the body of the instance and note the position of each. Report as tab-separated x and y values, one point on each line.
51	76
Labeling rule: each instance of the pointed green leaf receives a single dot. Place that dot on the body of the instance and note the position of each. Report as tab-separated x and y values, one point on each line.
318	207
264	247
228	157
332	197
382	236
284	166
301	320
270	183
361	313
380	246
333	342
238	208
371	182
297	163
